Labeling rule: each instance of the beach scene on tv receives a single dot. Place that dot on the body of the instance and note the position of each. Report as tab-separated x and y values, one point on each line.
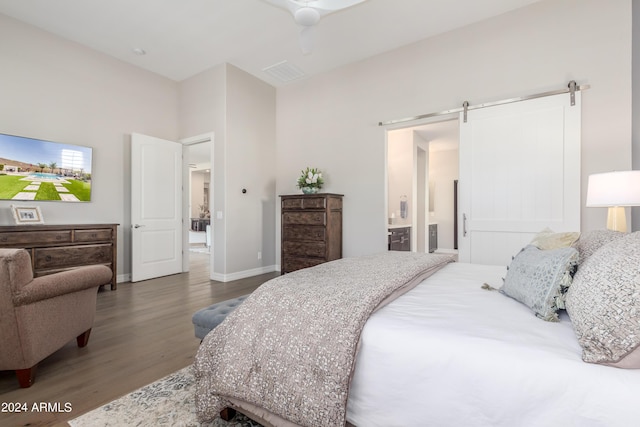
34	169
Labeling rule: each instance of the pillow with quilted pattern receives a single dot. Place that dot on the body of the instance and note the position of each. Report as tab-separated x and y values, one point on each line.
539	279
591	241
603	303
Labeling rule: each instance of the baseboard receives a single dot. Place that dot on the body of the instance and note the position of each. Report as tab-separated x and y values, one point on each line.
121	278
243	274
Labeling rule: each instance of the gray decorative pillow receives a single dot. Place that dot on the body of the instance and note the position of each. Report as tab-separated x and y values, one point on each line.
604	304
539	279
591	241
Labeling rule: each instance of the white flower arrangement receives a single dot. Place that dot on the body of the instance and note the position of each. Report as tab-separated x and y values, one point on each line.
311	177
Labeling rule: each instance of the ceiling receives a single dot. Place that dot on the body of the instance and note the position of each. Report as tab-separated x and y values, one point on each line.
442	136
184	37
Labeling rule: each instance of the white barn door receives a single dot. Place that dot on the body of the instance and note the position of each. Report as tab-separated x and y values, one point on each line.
519	173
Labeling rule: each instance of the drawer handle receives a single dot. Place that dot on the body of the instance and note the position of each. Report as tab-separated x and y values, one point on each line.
94	235
58	237
4	239
48	258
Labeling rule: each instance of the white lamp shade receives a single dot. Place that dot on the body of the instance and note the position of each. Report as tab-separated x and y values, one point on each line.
614	189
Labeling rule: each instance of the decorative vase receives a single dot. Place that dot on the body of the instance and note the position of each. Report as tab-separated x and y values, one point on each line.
309	190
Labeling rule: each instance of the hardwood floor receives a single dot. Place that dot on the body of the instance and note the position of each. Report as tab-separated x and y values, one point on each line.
142	332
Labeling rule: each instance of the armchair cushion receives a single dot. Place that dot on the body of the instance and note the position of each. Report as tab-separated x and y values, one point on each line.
62	283
17	266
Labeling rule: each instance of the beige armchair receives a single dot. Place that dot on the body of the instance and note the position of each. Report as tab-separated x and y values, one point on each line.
38	316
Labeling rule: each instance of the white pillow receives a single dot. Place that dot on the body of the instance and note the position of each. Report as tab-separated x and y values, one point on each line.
547	239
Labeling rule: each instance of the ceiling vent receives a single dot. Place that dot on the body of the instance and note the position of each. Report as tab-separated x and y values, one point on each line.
284	71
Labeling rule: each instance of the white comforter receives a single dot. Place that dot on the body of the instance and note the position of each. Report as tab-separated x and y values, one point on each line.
449	353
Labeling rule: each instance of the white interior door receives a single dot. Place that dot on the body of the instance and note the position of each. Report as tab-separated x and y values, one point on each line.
156	207
519	173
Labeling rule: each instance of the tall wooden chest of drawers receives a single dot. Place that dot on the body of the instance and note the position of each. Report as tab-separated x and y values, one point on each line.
56	248
311	230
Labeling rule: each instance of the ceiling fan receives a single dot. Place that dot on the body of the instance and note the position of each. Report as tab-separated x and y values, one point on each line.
307	14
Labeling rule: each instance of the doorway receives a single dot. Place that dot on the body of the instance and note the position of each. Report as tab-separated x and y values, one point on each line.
422	164
198	204
519	167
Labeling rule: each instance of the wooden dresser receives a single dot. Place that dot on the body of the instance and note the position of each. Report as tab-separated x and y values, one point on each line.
56	248
311	230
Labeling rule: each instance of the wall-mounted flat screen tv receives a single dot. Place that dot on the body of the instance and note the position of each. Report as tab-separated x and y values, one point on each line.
33	169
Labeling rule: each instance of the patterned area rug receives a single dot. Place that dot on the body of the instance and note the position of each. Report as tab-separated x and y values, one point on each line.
166	402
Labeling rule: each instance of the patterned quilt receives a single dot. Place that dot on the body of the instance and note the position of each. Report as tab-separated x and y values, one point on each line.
290	347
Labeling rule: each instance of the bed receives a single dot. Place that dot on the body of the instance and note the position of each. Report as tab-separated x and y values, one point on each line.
478	358
453	350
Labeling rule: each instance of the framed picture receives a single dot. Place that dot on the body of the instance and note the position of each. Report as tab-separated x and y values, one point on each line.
27	214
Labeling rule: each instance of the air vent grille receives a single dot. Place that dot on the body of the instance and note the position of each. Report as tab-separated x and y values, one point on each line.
284	71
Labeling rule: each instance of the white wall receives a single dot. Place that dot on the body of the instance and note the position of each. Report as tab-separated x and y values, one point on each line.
251	165
202	109
331	121
57	90
240	110
400	173
443	171
635	222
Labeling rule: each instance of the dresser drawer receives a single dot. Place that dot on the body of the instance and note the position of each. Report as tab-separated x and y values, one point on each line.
291	204
314	203
32	238
293	264
304	232
304	203
400	234
304	249
96	235
69	256
304	218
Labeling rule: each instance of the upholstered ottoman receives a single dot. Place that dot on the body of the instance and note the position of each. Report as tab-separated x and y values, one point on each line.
208	318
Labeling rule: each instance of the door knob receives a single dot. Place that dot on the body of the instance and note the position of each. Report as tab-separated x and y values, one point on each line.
138	226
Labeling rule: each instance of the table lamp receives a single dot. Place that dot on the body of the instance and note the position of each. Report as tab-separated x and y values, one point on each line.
614	190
